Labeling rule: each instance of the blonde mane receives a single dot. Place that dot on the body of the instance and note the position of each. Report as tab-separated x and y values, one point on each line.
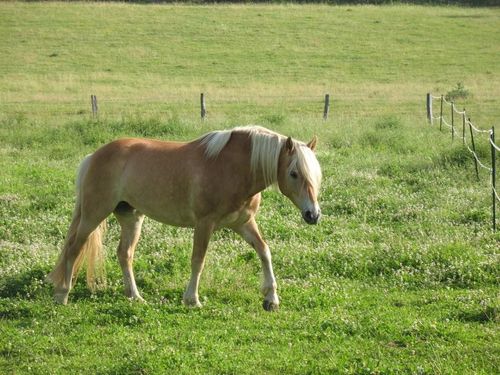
266	149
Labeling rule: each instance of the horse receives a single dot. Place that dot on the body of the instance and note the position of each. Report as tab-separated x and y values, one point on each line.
209	183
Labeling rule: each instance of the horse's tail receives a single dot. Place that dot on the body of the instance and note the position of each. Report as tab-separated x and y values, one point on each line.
92	249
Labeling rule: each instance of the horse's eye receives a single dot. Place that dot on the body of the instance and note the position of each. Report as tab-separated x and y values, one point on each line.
294	175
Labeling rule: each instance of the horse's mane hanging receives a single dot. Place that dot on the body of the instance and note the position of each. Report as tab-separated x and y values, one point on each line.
266	148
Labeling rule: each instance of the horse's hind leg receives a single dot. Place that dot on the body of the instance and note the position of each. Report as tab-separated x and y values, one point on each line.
71	258
131	223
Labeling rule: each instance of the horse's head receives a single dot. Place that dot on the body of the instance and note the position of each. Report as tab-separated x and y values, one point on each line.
299	177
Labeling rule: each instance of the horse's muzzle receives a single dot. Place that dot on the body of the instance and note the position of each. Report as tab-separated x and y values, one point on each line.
311	217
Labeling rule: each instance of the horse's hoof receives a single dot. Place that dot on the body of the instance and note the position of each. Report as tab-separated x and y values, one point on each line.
270	306
61	298
192	304
138	299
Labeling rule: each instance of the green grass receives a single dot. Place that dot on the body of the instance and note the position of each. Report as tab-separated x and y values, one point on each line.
401	275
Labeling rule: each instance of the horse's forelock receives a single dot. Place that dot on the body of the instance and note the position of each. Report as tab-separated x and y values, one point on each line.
266	150
307	164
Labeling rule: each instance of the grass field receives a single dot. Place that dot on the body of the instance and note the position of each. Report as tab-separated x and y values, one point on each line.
401	275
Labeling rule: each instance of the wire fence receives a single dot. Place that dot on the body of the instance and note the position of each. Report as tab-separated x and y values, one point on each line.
453	123
216	105
164	104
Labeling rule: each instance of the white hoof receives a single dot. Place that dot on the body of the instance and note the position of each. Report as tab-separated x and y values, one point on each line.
61	297
137	298
270	305
192	303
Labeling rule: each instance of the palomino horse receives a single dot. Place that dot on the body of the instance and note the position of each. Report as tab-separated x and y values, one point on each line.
210	183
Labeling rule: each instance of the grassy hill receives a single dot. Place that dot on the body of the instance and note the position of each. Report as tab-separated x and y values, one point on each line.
401	276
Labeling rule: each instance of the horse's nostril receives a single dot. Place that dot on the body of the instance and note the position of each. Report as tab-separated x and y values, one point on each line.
310	217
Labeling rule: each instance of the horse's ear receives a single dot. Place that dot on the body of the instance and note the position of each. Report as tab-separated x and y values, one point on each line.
312	144
290	147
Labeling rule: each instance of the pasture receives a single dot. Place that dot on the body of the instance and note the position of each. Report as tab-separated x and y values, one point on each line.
401	274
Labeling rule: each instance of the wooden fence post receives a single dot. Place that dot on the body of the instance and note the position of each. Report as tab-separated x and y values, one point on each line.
493	178
452	121
326	109
429	108
473	149
203	109
441	115
93	100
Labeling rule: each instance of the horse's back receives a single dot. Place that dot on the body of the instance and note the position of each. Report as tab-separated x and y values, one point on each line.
129	147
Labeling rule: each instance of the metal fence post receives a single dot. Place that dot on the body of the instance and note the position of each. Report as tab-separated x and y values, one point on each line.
473	149
493	178
463	127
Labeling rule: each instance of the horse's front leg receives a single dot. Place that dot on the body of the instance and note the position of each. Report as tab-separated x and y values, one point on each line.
250	233
202	233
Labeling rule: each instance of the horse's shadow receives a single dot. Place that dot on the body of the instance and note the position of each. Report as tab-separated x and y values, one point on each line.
32	285
25	285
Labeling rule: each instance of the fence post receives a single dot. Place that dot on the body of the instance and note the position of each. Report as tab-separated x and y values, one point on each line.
473	149
441	115
429	108
463	127
452	121
326	110
93	100
202	105
493	177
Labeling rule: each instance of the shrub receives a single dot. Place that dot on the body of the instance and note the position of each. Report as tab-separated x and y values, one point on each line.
459	92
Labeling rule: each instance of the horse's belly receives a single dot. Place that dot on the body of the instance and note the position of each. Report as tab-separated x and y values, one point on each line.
176	218
162	201
179	215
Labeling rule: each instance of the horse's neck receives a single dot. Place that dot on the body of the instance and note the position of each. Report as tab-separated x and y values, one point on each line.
259	182
238	149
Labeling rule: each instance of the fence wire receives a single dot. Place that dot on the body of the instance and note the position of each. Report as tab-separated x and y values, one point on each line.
475	129
496	194
477	159
494	145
